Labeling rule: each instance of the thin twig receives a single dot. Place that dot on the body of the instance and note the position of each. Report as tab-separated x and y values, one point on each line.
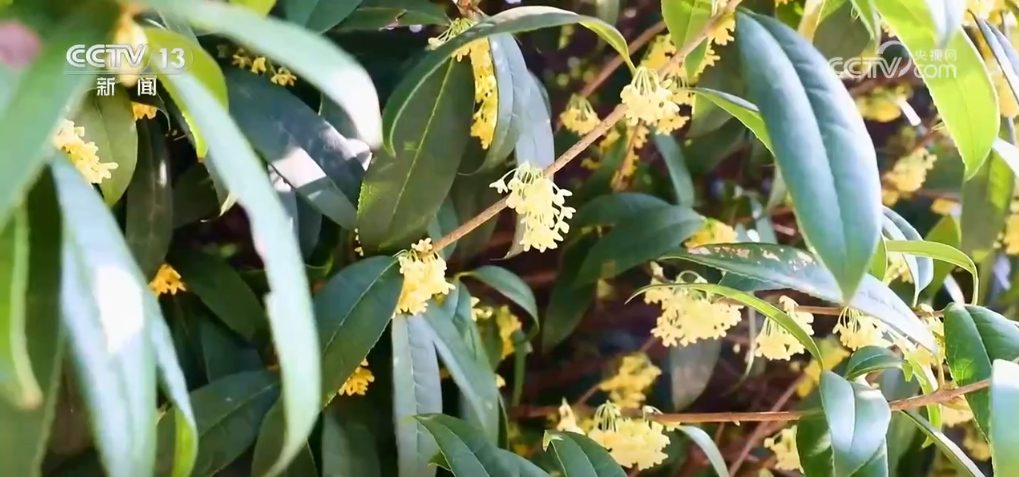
585	141
762	429
617	60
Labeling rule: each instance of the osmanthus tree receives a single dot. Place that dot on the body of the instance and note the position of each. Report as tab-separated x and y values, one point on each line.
269	263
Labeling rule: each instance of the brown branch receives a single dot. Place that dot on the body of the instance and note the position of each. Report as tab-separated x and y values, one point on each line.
617	61
585	141
763	429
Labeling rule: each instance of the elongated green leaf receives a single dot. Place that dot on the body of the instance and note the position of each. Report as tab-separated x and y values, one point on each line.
1000	52
416	390
41	97
690	369
675	163
820	143
474	377
950	449
797	269
613	209
18	384
986	199
310	57
228	412
221	289
289	302
463	448
318	162
879	262
26	432
857	418
109	123
402	192
685	20
318	15
514	20
746	112
974	338
353	309
567	302
891	232
1004	436
924	264
346	449
223	353
579	456
171	380
524	467
149	224
642	237
960	86
707	445
507	124
767	309
938	251
509	285
945	231
869	359
106	303
947	16
379	14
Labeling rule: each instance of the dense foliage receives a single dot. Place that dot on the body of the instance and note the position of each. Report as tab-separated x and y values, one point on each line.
266	242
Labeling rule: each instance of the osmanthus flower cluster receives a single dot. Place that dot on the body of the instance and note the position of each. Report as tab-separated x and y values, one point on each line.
139	111
688	315
907	176
84	155
167	280
883	104
540	204
579	116
783	444
712	232
485	86
357	383
632	442
631	379
857	330
424	277
259	65
775	342
506	322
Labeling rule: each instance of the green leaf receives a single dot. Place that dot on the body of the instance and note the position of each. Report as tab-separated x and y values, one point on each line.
950	449
675	163
509	285
1003	53
578	456
690	369
106	304
945	231
840	33
857	417
148	228
318	162
924	264
41	98
346	450
986	197
379	14
27	431
289	302
685	20
767	309
741	109
974	338
514	20
311	57
416	390
18	384
524	467
228	412
1004	437
612	209
464	449
939	251
318	15
869	359
194	197
799	270
109	123
960	87
809	115
202	67
174	386
223	353
221	289
508	125
353	309
402	192
567	303
707	445
879	262
473	376
640	238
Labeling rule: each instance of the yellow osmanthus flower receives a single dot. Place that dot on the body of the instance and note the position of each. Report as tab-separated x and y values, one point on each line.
241	58
358	249
975	444
857	330
955	412
479	312
567	419
783	445
424	276
458	26
689	316
486	94
647	98
631	442
500	382
883	104
508	324
139	110
944	206
539	203
721	33
712	232
908	175
774	342
635	374
69	139
832	354
357	383
258	66
579	116
659	53
167	280
283	77
897	268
